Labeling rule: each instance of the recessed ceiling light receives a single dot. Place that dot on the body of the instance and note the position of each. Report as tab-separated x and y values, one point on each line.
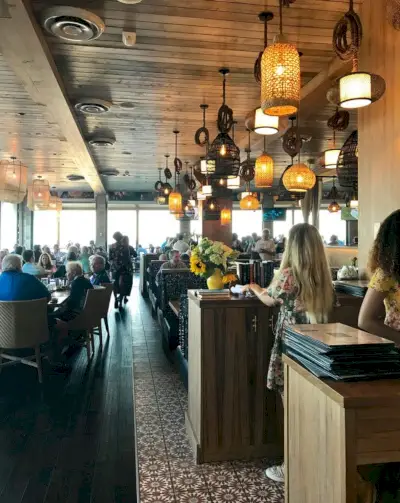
102	142
128	105
75	178
21	113
92	106
130	2
125	152
72	23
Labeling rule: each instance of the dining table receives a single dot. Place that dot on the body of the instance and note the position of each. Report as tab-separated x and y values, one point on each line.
60	296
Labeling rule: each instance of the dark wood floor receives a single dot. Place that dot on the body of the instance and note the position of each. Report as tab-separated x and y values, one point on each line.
72	439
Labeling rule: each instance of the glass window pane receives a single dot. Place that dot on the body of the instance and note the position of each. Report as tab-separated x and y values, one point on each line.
244	223
45	228
155	226
8	233
195	227
78	226
123	221
332	223
298	217
283	226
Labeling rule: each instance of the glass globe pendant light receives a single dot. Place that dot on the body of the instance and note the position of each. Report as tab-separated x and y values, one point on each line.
264	170
280	76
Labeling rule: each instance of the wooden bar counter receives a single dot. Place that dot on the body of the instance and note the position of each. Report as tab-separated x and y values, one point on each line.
331	428
231	414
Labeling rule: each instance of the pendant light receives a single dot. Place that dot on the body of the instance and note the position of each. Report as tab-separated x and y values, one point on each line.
207	189
13	181
226	216
200	195
299	178
249	202
280	81
167	189
264	170
40	194
265	124
223	150
55	203
234	183
356	89
192	188
175	197
333	207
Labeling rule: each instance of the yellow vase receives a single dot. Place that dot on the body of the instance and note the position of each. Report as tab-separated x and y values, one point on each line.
214	282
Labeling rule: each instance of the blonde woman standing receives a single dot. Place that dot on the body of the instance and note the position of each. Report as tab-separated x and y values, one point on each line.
303	289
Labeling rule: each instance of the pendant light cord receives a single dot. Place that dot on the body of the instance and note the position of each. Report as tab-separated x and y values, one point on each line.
223	90
265	145
265	33
280	17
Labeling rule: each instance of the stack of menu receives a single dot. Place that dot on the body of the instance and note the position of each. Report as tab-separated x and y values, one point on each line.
340	352
213	294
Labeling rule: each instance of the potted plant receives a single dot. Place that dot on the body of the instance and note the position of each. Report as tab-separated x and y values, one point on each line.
210	260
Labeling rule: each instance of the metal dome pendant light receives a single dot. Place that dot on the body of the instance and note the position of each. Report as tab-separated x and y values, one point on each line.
175	198
356	89
223	151
280	81
13	181
264	175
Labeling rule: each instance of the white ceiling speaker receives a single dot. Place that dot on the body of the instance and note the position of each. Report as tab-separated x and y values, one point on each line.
92	106
72	23
101	142
131	2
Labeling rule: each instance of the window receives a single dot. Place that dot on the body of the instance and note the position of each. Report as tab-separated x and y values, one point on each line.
283	227
196	227
77	226
244	222
45	228
155	226
8	226
332	223
123	221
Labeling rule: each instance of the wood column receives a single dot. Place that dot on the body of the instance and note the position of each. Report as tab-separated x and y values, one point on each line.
379	127
213	229
101	220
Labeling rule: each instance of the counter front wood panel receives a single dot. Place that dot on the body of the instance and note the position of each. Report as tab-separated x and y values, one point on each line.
231	414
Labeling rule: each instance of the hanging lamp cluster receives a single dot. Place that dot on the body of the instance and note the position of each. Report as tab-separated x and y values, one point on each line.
39	197
280	75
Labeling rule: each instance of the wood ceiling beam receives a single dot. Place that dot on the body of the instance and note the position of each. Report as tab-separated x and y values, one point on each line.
24	48
312	97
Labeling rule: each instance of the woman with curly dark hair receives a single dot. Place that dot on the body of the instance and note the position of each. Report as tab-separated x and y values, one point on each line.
380	310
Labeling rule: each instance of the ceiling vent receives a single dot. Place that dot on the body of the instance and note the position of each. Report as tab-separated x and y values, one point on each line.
109	172
72	23
92	106
131	2
75	178
102	142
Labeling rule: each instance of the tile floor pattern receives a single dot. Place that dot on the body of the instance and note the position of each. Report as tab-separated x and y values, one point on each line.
167	472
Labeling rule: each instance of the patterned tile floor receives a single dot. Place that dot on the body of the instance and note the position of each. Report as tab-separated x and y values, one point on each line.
167	472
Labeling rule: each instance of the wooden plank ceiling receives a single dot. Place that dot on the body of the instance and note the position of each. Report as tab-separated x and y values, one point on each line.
171	70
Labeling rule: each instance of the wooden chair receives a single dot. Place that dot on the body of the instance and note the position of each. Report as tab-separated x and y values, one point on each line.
89	318
23	324
108	290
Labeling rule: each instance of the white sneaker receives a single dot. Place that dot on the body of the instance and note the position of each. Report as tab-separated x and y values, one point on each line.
276	473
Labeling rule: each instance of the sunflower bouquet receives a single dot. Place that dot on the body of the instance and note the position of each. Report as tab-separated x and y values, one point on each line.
208	256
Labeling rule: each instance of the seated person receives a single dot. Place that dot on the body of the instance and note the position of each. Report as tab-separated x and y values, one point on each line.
29	266
98	266
46	249
174	262
16	285
62	271
84	260
73	306
58	255
180	245
46	263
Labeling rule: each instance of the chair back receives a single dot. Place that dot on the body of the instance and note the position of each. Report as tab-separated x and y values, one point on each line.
108	290
23	324
91	314
174	282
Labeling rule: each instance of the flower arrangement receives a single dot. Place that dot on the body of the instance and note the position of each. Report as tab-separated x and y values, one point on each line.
208	256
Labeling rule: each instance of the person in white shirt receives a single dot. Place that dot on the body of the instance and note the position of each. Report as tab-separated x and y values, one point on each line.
181	246
265	246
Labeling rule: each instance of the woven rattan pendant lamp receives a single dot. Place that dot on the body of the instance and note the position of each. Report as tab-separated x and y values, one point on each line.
226	216
356	89
280	75
264	170
55	203
13	181
40	194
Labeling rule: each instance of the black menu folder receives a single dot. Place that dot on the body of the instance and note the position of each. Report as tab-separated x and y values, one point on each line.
340	352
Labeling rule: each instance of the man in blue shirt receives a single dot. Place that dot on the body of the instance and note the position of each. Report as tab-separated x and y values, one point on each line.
98	265
16	285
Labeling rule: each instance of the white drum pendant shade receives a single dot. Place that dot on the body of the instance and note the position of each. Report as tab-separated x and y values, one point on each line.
13	181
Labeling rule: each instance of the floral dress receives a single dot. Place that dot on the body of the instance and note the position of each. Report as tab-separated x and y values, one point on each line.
291	313
385	284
